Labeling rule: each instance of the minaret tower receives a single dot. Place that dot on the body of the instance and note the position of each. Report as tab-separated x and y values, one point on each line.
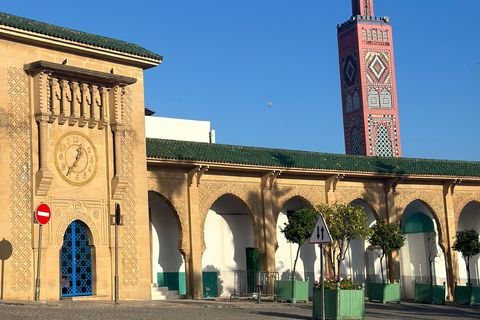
367	74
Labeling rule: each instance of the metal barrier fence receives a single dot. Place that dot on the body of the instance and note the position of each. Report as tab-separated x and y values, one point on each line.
246	283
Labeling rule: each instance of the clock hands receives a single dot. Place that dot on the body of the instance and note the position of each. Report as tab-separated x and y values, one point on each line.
75	163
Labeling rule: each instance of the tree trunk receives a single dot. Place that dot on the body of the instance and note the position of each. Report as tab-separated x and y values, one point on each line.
468	270
381	265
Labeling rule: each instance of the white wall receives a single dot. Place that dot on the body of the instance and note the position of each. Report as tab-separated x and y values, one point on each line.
308	264
469	219
177	129
165	254
414	264
363	264
228	231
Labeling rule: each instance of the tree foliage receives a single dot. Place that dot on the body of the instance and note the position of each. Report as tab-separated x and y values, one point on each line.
345	223
467	242
298	229
386	236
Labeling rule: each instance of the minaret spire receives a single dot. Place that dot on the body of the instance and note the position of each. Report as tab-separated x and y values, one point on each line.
367	73
362	7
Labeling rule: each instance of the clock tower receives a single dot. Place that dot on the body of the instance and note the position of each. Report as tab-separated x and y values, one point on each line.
367	74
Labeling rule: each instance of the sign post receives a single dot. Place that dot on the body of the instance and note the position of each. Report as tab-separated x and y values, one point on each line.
321	235
117	220
42	216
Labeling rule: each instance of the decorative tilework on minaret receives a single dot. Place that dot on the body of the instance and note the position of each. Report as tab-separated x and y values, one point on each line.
367	73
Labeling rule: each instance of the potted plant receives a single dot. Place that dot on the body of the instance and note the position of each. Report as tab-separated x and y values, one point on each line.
468	243
297	230
430	292
344	299
345	223
388	237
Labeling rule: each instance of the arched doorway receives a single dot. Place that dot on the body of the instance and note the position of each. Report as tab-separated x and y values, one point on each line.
168	265
76	261
421	258
308	265
362	262
469	219
229	253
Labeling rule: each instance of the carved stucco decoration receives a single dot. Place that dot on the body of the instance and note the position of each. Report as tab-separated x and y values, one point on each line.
374	198
77	215
174	192
18	127
312	195
433	200
247	193
461	199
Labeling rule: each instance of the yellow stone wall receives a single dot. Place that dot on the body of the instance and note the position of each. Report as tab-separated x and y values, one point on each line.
23	187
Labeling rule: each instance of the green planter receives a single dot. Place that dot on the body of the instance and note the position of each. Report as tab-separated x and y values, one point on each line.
284	292
340	304
429	293
467	294
385	292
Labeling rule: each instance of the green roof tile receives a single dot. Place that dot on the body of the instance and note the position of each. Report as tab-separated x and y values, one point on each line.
76	36
220	153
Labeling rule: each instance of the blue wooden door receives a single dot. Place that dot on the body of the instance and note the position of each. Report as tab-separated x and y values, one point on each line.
76	262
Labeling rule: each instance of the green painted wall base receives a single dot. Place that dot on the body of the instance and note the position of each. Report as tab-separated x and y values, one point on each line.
467	294
284	292
385	292
172	280
340	304
429	293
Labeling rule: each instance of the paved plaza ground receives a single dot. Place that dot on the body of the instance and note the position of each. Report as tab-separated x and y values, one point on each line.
218	309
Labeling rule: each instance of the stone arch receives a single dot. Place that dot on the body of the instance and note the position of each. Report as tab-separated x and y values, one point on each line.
418	249
174	193
244	193
460	205
183	246
371	199
284	201
436	210
90	227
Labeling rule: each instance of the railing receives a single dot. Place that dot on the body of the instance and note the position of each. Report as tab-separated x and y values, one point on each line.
245	284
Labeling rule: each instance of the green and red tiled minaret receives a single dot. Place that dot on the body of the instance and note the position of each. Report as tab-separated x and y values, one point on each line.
367	74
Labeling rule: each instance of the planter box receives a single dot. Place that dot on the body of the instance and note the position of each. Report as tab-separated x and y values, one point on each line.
340	304
430	293
467	294
284	292
385	292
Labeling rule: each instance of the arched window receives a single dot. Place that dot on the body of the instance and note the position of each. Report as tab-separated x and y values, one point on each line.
356	101
374	35
356	146
380	35
385	99
369	34
385	36
364	34
349	104
383	144
373	99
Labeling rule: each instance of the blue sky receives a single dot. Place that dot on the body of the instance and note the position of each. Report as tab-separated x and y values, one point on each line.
225	60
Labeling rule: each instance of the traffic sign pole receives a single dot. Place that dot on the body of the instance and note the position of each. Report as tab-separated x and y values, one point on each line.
37	283
322	284
320	235
42	216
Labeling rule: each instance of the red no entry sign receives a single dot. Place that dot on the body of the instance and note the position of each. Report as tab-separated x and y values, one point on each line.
43	213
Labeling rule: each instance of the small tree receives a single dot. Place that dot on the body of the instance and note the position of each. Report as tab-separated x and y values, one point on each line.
388	237
468	244
345	223
299	227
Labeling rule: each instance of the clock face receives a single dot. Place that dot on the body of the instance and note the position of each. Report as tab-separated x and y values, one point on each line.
76	158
